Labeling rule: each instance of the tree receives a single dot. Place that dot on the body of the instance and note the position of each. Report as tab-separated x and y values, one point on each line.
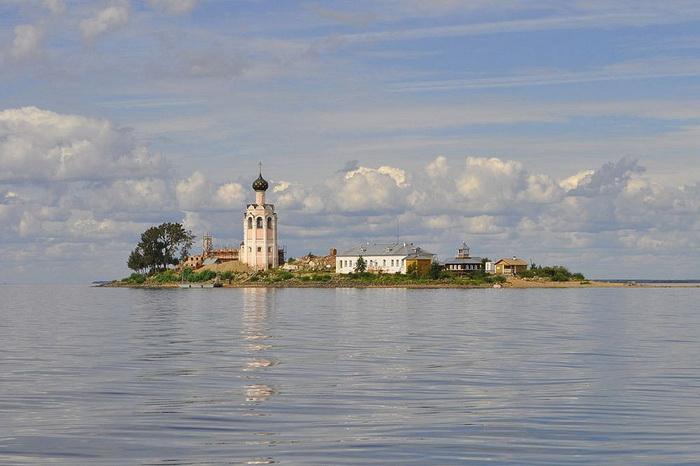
361	265
161	246
137	261
435	270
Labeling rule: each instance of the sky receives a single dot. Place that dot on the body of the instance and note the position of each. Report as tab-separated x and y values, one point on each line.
561	132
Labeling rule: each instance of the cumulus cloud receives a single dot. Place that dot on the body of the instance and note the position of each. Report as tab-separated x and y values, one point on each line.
75	188
494	184
70	184
27	42
199	194
611	178
40	145
105	19
368	190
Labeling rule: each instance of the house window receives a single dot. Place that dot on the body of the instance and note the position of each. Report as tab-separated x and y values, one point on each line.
384	262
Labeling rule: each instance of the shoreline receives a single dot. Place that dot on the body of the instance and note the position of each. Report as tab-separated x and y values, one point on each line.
511	283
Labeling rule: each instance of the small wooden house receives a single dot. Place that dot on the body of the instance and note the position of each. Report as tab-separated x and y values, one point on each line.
510	266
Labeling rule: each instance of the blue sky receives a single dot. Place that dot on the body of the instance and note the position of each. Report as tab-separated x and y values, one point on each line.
562	132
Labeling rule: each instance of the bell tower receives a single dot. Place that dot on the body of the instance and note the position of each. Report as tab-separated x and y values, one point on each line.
259	249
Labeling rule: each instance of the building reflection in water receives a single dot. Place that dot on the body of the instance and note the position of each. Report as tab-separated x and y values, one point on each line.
258	303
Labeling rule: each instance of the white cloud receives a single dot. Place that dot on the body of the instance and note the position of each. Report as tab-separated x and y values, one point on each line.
70	184
371	190
611	178
199	194
40	145
27	42
105	19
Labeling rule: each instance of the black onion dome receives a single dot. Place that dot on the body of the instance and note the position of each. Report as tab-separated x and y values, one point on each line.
260	184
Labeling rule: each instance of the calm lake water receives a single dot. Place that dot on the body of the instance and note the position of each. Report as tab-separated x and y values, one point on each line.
349	376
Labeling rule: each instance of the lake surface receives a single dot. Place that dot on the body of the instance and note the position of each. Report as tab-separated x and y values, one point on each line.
349	376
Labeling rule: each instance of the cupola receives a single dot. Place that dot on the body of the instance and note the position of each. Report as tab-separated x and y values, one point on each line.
260	184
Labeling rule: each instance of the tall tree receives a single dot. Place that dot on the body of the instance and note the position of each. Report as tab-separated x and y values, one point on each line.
361	265
161	246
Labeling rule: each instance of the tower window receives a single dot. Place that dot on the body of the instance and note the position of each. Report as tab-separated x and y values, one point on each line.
250	222
269	223
260	222
259	249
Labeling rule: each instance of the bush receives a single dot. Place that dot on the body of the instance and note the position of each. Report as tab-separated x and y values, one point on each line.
135	278
193	277
556	273
168	276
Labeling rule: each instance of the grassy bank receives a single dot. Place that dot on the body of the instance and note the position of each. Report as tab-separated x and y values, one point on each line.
278	278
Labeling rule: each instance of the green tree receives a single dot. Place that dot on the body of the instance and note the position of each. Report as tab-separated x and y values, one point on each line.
361	265
435	270
137	261
161	246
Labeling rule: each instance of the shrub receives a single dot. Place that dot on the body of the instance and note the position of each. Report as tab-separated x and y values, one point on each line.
194	277
168	276
555	273
135	278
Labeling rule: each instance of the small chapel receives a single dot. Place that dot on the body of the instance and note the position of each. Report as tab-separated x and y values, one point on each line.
259	249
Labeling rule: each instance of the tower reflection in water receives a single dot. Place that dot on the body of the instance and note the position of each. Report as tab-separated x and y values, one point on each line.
258	303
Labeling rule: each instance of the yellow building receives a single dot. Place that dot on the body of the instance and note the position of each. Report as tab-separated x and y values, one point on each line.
420	261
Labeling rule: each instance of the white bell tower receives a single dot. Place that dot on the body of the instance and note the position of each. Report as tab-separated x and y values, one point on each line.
259	249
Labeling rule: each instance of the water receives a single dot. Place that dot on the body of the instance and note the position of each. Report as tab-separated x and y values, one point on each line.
349	376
